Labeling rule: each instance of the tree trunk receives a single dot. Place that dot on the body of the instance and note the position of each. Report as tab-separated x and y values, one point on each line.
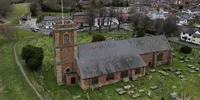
90	28
119	25
110	24
99	25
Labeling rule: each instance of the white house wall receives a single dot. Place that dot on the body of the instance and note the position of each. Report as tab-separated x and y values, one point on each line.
106	21
196	40
189	37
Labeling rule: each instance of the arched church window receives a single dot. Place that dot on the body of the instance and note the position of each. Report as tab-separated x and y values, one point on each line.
66	38
159	57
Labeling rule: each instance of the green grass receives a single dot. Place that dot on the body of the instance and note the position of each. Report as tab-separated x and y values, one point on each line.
56	13
84	37
25	34
17	11
164	83
12	84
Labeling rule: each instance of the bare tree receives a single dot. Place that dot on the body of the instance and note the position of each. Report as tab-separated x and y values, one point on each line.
7	31
135	19
102	16
170	26
159	23
119	18
144	21
112	14
5	7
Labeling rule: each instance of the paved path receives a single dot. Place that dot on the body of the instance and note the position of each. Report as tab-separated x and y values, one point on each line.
23	72
176	40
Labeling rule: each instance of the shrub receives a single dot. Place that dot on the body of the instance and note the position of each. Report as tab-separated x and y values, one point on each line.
35	9
98	38
33	56
186	49
34	64
40	18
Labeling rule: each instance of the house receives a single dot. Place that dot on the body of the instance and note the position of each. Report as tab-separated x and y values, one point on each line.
196	38
48	20
84	3
182	21
102	63
80	18
187	34
105	21
178	2
195	10
157	14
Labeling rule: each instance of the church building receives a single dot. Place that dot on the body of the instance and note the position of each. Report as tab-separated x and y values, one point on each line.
96	64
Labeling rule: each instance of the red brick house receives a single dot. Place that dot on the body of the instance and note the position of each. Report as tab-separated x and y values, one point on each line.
84	3
80	17
97	64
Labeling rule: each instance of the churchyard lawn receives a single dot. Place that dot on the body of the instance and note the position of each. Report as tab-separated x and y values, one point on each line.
12	84
179	78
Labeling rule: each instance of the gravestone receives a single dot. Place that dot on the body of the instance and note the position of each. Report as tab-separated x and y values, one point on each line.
127	87
154	87
163	73
192	71
141	90
181	76
126	79
150	77
153	70
136	96
174	87
149	93
76	97
178	73
173	94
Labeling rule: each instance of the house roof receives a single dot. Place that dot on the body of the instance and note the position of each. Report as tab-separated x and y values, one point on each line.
50	18
84	2
190	30
81	14
196	35
101	58
151	44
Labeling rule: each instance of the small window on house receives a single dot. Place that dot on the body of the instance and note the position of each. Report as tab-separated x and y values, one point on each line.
124	74
110	77
190	35
66	38
188	38
95	80
183	33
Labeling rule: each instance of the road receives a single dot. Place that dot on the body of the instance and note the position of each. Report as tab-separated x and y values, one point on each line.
176	40
24	74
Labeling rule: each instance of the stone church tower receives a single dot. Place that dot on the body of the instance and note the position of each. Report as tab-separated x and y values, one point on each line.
65	52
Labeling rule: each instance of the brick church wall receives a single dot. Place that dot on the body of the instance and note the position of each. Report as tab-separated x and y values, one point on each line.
87	83
152	57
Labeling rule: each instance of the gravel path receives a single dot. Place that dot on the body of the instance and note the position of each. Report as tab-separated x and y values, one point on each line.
24	74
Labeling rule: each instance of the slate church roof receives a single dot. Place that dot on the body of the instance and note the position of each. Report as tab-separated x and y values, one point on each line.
101	58
107	57
151	44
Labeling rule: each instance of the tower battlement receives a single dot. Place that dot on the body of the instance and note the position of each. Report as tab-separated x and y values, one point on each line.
63	25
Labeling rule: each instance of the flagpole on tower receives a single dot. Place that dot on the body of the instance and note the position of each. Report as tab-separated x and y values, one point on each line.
62	12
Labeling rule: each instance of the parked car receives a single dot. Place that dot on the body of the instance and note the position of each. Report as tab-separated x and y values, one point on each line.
34	29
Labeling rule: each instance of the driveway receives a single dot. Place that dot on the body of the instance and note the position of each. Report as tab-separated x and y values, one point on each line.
176	40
